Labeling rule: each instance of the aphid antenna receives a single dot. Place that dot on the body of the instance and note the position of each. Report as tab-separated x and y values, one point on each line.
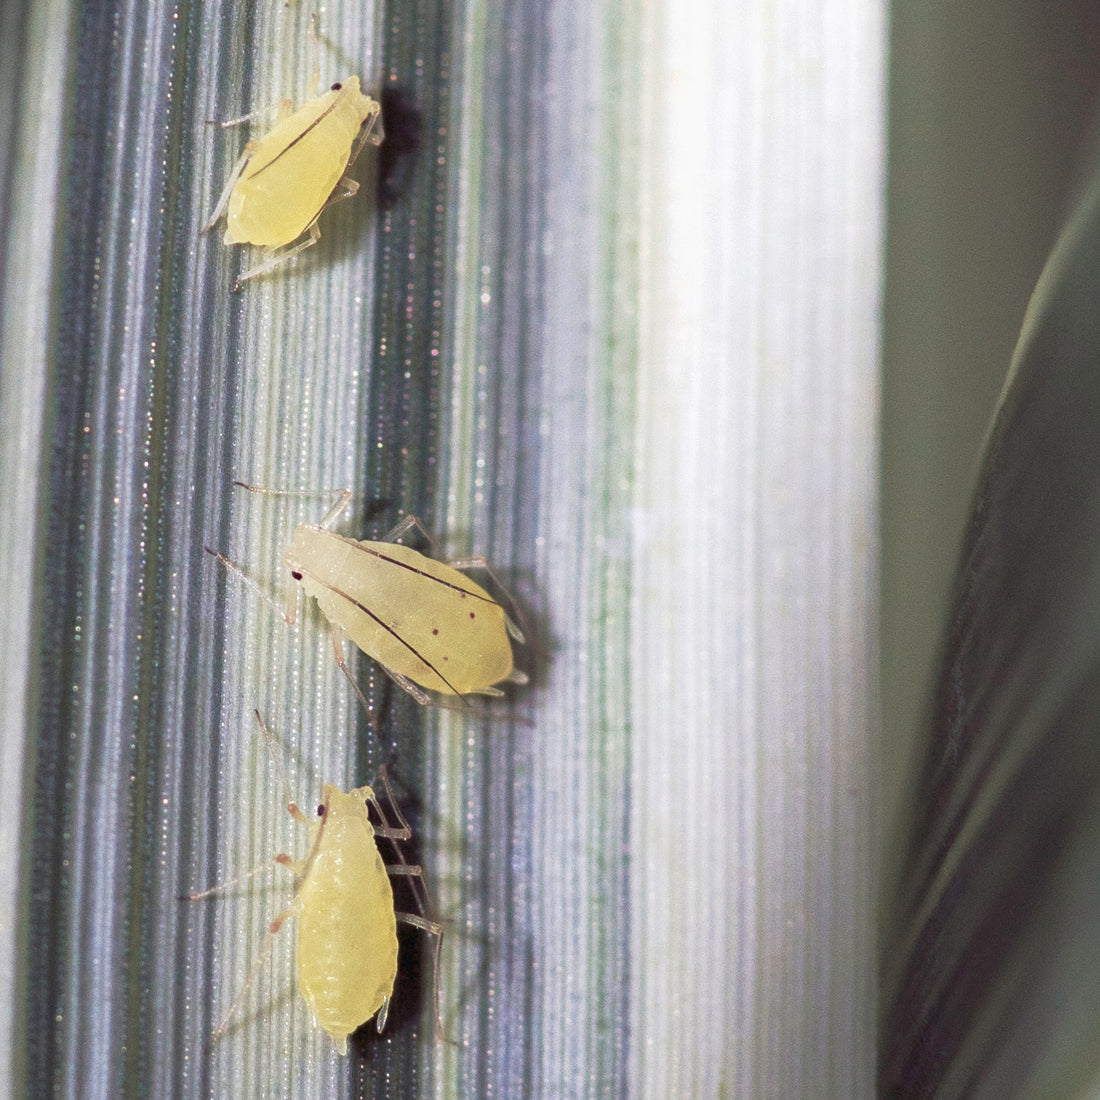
343	498
300	868
317	38
248	876
287	611
315	50
277	760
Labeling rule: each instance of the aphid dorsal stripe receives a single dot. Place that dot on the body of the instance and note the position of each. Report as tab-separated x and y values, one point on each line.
290	144
392	633
411	628
412	569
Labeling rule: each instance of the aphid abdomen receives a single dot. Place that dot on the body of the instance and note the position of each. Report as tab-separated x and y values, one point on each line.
455	627
347	931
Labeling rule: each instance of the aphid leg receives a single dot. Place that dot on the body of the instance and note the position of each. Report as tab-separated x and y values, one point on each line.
337	635
295	866
433	928
281	257
418	693
262	957
414	873
345	188
403	831
287	612
223	199
425	700
230	884
337	510
264	954
405	526
371	131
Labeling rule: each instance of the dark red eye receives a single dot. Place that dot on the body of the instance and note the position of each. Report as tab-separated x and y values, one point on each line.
336	87
321	810
296	574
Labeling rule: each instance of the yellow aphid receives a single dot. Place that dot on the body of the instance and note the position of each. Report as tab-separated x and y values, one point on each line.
285	179
347	928
424	621
420	619
344	909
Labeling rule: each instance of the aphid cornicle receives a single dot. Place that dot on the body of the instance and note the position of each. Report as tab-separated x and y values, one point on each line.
424	621
285	179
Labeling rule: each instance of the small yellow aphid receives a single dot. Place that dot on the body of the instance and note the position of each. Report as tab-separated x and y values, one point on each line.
347	927
425	622
344	907
285	179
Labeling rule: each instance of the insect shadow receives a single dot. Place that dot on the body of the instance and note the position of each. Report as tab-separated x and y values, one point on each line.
403	124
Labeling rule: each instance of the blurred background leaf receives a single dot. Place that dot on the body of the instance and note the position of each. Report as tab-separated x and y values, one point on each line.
992	954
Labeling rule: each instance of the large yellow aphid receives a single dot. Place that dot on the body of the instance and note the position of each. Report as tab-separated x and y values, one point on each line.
344	910
424	621
285	179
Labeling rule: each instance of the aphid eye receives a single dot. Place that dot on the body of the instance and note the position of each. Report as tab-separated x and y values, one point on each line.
321	810
336	87
296	574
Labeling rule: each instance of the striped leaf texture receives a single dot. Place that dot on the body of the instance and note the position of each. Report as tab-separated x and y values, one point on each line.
603	311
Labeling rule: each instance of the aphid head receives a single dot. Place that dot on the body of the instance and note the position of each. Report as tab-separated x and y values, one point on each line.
331	806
